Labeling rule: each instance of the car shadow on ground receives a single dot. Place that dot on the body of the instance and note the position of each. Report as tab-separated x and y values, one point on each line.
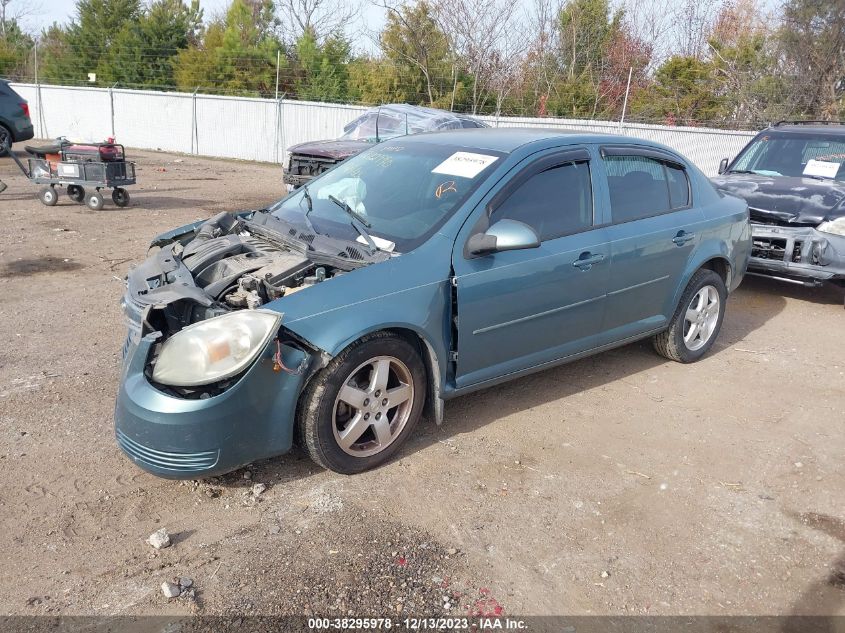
825	596
748	309
827	294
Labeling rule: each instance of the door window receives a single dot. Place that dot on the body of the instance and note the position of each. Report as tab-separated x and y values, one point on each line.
641	187
554	202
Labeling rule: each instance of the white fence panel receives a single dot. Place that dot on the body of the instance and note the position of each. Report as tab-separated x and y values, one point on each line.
263	129
152	120
236	128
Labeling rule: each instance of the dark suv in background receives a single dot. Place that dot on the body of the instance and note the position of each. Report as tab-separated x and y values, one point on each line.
15	124
792	178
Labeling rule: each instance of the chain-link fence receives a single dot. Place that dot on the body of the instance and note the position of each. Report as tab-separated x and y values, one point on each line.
263	129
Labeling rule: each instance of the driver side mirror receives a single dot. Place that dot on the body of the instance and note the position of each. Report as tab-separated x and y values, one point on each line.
723	166
504	235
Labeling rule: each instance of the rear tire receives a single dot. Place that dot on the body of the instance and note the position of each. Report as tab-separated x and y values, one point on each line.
697	320
76	193
120	197
358	411
95	201
48	196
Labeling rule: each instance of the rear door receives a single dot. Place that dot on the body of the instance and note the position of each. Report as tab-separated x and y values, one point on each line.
519	309
654	231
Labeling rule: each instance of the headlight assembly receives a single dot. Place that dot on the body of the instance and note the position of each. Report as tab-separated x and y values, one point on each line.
836	227
214	349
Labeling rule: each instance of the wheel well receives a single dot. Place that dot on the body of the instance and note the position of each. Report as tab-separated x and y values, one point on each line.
432	370
721	267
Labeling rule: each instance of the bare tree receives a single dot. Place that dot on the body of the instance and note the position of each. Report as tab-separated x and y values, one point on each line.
694	21
321	17
21	10
650	21
486	36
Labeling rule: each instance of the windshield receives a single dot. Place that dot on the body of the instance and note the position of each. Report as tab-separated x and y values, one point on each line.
402	192
793	154
364	128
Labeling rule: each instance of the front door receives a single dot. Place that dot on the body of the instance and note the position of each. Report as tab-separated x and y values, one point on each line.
519	309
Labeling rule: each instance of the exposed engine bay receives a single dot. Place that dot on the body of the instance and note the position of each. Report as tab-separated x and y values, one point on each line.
233	263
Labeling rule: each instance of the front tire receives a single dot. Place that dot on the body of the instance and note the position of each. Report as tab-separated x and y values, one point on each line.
359	410
697	320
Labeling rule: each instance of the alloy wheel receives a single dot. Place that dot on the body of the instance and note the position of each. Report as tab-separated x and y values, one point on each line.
373	406
701	318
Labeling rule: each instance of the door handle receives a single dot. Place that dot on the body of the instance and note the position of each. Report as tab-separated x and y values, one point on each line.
682	238
586	260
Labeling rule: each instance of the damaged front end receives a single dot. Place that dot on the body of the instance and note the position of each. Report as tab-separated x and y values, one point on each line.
207	357
224	265
808	255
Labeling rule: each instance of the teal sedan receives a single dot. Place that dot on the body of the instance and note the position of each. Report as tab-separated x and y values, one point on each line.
422	269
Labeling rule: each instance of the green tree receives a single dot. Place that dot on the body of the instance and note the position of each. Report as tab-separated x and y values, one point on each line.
237	54
79	49
15	52
419	52
323	72
813	43
145	49
684	92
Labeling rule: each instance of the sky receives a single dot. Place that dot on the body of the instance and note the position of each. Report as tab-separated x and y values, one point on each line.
45	12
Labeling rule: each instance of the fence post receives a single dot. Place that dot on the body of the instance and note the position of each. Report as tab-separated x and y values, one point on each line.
194	132
278	61
625	103
111	107
39	102
280	134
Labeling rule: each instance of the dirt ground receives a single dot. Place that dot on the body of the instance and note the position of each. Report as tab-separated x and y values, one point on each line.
620	484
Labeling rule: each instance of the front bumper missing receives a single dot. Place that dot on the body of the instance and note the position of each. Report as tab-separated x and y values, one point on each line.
295	180
800	254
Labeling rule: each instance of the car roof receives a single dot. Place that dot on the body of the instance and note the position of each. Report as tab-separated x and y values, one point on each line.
508	139
833	128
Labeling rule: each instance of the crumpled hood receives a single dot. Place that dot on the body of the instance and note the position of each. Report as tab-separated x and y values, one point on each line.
330	148
793	200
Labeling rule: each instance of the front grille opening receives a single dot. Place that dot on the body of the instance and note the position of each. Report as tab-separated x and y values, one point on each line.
766	248
797	247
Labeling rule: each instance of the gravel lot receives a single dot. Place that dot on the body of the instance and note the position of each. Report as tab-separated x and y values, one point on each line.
620	484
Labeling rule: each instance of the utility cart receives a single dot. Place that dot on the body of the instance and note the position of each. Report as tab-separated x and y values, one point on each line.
83	168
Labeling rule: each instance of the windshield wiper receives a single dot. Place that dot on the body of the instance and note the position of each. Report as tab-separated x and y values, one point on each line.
359	223
307	197
740	171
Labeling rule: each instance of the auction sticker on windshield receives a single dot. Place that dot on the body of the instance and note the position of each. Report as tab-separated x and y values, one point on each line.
821	168
464	164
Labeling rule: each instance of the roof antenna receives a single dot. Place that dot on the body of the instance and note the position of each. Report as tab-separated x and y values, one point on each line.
406	124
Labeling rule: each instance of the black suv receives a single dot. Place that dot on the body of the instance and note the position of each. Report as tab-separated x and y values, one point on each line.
791	176
15	124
